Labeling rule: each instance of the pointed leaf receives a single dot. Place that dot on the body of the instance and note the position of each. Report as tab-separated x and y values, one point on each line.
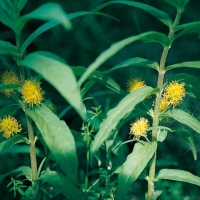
101	78
193	27
14	140
184	118
162	16
63	184
21	4
9	86
188	136
145	37
23	170
58	138
178	175
9	110
6	48
179	4
124	108
192	64
133	166
59	75
134	62
48	11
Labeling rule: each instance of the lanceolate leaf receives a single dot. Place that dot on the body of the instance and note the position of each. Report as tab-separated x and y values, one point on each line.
58	138
192	64
163	17
184	118
145	37
53	23
9	86
178	175
7	48
23	170
48	11
193	27
114	116
58	74
101	78
63	184
134	62
188	136
133	166
9	110
14	140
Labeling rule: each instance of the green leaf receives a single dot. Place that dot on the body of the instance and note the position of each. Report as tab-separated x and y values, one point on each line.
38	32
192	64
63	184
14	140
48	11
58	138
184	118
179	4
6	48
134	62
59	75
125	106
9	110
188	136
145	37
21	4
178	175
21	149
9	86
133	166
23	170
101	78
190	82
163	17
5	18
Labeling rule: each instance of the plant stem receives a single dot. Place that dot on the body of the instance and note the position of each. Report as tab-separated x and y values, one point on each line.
31	136
157	103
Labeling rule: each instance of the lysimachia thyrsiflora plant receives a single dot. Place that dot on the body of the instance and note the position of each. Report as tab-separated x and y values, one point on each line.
28	117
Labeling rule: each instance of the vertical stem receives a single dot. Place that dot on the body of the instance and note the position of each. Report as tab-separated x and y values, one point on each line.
157	103
31	136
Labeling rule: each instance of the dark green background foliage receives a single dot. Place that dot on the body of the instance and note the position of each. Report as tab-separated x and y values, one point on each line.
91	35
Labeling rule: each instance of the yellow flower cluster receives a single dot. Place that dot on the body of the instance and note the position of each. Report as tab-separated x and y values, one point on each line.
9	126
134	84
9	77
139	127
173	95
32	92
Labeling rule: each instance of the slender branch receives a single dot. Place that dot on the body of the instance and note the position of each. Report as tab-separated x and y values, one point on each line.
157	103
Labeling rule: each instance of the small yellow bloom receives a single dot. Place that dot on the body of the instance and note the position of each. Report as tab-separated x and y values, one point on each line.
9	77
134	84
164	104
139	127
174	93
32	92
9	126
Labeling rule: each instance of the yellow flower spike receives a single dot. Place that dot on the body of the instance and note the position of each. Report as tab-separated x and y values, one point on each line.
9	77
134	84
32	92
9	126
139	128
174	93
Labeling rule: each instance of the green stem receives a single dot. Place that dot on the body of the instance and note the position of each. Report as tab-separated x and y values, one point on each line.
31	136
157	103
